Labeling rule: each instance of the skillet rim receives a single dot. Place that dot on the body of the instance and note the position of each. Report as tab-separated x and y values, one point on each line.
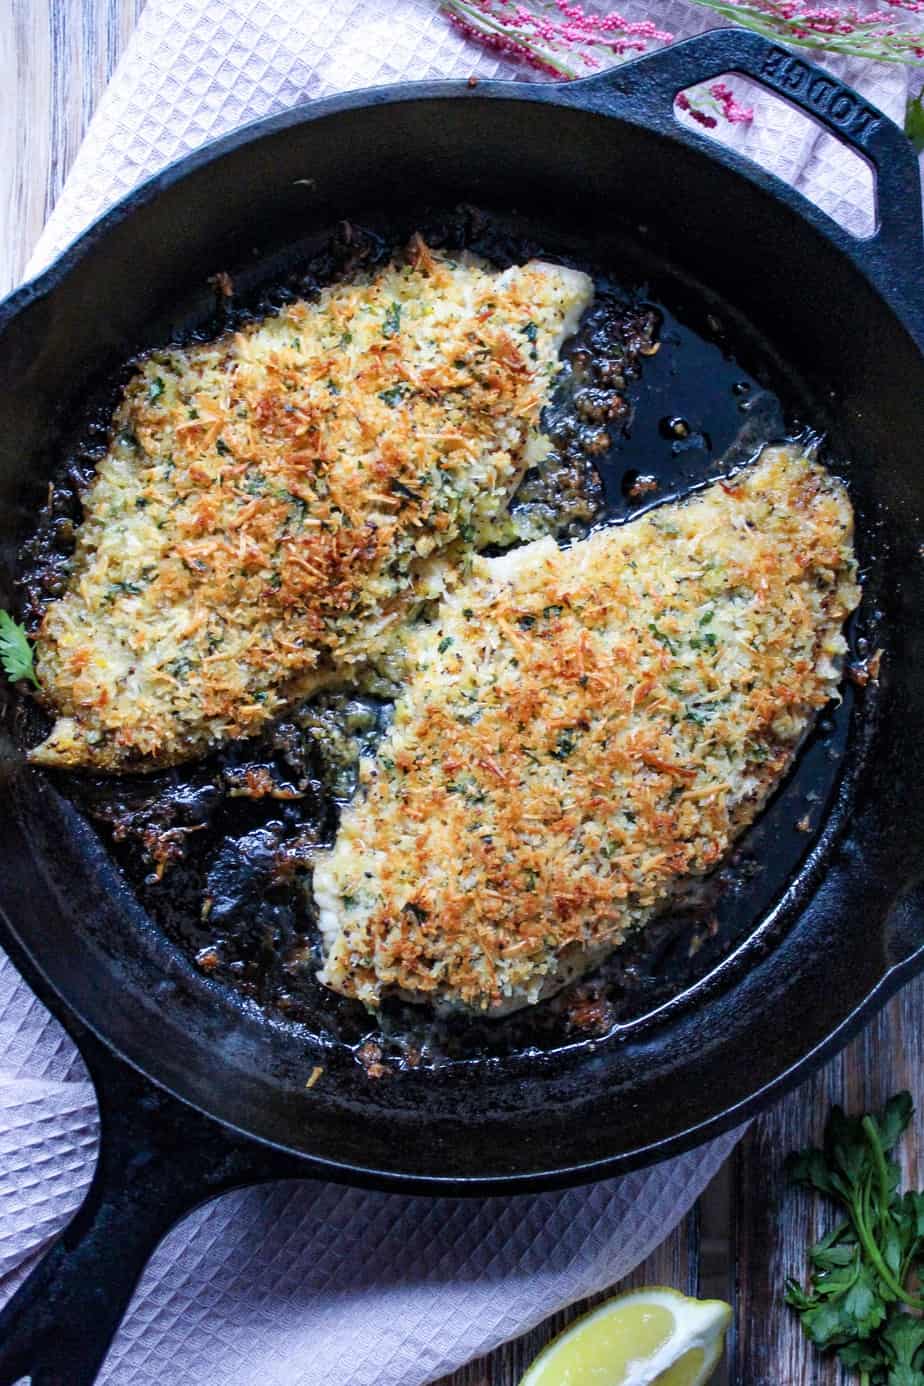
588	94
105	1059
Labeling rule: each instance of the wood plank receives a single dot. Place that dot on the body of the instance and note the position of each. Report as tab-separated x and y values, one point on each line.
771	1224
775	1223
57	56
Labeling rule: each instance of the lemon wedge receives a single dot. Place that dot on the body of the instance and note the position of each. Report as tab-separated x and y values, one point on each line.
649	1337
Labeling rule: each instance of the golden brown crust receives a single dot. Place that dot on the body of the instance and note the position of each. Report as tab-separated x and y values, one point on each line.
268	498
584	729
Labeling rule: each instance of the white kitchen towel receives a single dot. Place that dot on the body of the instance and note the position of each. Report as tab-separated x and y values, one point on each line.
310	1284
297	1285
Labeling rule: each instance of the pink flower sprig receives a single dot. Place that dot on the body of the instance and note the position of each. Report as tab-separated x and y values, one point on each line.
557	37
708	104
841	29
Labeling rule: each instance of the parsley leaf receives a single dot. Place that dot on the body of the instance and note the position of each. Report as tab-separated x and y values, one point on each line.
861	1270
914	121
15	651
564	744
400	489
392	322
904	1338
665	640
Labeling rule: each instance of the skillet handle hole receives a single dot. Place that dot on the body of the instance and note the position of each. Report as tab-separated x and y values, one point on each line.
747	117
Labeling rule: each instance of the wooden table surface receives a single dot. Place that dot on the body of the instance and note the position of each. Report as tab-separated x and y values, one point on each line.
748	1231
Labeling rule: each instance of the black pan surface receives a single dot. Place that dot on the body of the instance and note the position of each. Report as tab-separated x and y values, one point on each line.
833	918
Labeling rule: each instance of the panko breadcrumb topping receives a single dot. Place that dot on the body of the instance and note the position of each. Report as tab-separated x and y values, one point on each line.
582	731
268	503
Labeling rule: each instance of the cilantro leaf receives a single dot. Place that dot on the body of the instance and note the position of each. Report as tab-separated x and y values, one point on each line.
15	651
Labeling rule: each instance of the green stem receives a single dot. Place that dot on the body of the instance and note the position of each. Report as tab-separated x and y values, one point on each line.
885	1193
750	18
868	1242
747	16
908	1261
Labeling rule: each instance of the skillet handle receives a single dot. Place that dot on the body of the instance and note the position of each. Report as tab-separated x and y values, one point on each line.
652	82
158	1160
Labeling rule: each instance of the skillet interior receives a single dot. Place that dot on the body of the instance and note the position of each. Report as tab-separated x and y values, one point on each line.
852	368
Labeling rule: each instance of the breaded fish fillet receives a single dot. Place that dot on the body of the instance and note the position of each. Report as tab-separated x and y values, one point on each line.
584	729
269	499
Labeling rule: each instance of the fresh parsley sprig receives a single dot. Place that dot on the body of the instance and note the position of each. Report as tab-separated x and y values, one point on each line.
15	651
862	1272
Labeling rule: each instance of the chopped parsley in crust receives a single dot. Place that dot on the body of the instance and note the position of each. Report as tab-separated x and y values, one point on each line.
268	503
582	730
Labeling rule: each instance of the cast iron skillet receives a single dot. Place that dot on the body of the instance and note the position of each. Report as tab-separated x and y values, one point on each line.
197	1093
